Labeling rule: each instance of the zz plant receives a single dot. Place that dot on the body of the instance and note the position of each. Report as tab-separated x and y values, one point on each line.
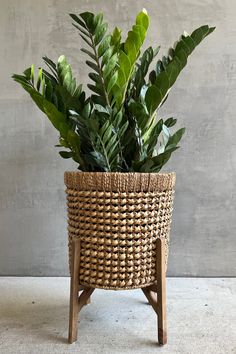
115	128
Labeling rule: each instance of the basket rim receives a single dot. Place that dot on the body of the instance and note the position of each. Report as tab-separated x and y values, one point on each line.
121	173
120	181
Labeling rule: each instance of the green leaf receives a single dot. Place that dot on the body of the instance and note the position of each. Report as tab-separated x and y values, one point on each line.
39	80
54	115
141	72
125	66
175	138
110	65
107	55
50	77
162	83
181	45
88	18
98	19
180	59
51	65
104	128
152	77
66	154
97	160
133	44
189	42
65	75
93	66
172	71
63	142
123	129
95	77
95	89
161	159
86	40
140	31
86	110
155	164
142	19
27	73
104	46
112	82
89	53
128	57
100	32
199	34
170	122
73	139
153	98
107	134
116	39
111	146
32	74
78	20
84	31
152	142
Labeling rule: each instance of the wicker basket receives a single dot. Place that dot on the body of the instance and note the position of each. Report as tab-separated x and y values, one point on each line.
118	217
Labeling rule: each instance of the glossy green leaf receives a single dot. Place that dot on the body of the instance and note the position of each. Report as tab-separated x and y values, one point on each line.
170	122
40	77
32	74
142	19
112	82
172	72
27	73
163	83
78	20
110	66
66	154
88	18
153	98
199	34
104	46
88	53
93	66
100	33
175	138
86	40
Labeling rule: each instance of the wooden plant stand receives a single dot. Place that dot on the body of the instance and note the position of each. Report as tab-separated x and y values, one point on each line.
155	293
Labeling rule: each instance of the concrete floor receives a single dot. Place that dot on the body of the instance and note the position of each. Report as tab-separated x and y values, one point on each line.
34	318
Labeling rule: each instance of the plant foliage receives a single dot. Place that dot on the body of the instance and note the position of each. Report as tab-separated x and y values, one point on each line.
115	128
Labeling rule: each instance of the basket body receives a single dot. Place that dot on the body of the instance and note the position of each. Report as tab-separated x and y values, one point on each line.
118	217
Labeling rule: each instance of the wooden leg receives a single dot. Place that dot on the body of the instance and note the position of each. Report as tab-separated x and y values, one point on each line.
161	291
76	301
74	291
88	301
156	293
81	287
151	297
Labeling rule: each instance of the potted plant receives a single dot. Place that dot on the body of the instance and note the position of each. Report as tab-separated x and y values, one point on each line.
119	204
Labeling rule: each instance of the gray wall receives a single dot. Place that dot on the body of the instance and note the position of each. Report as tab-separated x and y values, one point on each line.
33	237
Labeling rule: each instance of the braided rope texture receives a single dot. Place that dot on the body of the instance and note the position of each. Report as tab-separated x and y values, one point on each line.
118	218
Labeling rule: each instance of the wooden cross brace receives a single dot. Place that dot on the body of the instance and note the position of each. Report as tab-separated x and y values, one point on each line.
155	294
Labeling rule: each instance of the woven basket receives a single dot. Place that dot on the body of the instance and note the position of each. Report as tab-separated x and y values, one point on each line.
118	217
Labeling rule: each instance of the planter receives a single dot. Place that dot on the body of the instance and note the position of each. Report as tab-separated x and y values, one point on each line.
118	217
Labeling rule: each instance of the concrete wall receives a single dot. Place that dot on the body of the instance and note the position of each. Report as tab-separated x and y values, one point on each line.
33	237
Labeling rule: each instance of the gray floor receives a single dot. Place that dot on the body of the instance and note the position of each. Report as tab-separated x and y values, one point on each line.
34	318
